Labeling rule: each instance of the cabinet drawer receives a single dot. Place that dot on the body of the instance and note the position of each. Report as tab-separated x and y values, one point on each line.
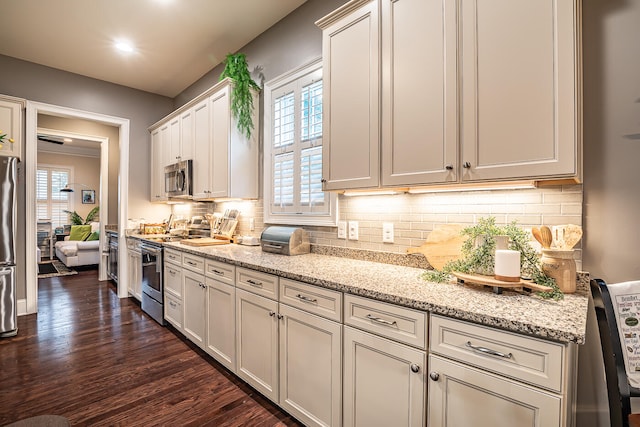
173	311
398	323
259	283
193	263
173	280
520	357
173	256
219	270
316	300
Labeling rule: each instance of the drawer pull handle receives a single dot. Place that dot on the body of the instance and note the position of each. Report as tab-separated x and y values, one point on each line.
218	272
306	299
488	351
172	304
380	320
191	263
253	283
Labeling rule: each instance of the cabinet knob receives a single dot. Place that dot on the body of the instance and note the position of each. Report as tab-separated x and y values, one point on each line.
323	180
415	368
449	167
272	313
434	376
466	165
280	316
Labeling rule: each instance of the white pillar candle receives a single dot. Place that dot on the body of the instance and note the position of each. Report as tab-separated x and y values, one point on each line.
507	265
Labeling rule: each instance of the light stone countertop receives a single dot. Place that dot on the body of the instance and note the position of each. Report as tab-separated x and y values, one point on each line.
563	321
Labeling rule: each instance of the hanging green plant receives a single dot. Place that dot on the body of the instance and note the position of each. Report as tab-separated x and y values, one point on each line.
237	69
481	256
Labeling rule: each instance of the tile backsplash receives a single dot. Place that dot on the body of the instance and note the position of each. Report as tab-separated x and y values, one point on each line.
414	216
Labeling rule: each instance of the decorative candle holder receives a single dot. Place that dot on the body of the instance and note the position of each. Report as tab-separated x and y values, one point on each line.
507	266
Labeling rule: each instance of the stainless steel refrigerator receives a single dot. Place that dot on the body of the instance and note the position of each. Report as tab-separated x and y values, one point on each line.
8	309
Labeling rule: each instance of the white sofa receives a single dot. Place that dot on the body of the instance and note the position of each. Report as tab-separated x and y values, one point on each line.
76	252
73	253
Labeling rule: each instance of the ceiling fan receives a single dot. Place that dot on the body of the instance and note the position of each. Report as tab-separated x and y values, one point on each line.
48	138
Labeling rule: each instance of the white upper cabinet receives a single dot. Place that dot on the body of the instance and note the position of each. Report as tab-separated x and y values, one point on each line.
519	68
467	91
159	154
11	123
351	124
225	162
419	116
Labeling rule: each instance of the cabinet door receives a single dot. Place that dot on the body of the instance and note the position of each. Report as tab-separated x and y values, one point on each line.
157	165
419	99
380	385
201	158
194	302
310	367
519	105
220	118
135	274
221	322
11	124
257	342
174	145
464	396
173	311
351	145
186	135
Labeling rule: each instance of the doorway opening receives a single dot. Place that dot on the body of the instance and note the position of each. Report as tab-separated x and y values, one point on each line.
34	109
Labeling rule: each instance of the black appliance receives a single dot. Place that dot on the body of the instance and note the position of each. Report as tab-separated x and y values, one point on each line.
152	281
112	265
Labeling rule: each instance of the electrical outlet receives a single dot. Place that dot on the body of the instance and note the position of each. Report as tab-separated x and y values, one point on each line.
342	229
353	230
387	232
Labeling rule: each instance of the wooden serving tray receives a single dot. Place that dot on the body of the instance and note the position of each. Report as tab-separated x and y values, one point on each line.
499	285
205	241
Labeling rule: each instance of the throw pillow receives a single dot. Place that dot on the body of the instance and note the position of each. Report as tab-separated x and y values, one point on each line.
94	236
79	232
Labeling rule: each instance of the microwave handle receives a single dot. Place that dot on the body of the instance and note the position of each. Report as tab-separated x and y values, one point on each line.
180	180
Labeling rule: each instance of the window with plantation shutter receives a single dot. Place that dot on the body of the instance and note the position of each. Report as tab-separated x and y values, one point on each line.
293	150
50	202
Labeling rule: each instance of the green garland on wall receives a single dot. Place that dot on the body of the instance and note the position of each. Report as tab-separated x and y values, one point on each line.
237	69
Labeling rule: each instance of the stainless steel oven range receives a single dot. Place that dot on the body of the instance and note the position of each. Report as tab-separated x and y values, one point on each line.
152	281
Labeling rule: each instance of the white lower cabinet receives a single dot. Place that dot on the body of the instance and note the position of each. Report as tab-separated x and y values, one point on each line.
173	311
310	367
195	304
460	395
384	382
221	322
257	342
135	268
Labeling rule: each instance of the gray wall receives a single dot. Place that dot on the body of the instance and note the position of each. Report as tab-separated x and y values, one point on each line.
611	47
290	43
44	84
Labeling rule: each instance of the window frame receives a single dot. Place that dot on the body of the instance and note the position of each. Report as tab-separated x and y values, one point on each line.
274	86
50	201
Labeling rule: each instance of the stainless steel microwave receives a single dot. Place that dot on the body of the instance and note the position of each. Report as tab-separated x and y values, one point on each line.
178	179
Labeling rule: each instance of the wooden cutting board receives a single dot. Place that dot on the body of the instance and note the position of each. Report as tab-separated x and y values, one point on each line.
443	244
477	279
205	241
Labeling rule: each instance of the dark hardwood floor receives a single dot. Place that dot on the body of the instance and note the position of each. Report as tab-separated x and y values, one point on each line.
98	360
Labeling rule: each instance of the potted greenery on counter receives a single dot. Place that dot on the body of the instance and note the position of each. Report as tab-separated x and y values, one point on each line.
237	69
480	256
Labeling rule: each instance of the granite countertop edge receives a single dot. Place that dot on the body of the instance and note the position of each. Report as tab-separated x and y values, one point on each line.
562	321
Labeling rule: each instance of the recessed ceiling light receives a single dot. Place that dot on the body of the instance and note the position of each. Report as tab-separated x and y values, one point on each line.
123	46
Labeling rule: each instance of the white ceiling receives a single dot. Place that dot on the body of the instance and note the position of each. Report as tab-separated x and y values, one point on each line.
176	41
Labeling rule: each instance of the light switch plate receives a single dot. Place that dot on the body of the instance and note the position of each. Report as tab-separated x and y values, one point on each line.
353	230
387	232
342	229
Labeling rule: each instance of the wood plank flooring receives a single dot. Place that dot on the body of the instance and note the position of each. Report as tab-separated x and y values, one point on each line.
99	360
